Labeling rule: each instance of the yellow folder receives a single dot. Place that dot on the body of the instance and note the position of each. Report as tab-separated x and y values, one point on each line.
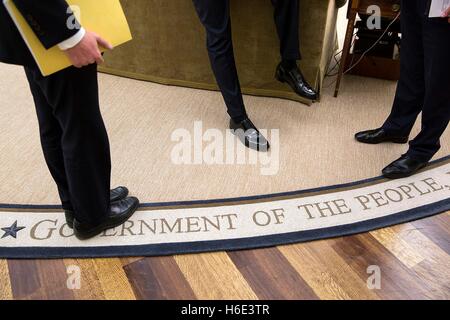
104	17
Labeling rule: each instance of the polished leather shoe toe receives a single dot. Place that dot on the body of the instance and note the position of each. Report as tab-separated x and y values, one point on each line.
294	78
403	167
116	194
249	135
119	213
378	136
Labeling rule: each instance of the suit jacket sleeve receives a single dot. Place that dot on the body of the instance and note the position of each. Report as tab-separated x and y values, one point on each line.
48	19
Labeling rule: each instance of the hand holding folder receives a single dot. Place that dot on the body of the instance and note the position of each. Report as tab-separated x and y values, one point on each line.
104	17
88	50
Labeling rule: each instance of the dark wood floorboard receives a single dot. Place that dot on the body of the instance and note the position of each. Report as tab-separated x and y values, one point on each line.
270	275
158	278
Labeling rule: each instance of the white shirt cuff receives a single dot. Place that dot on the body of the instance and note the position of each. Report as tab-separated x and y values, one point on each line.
72	41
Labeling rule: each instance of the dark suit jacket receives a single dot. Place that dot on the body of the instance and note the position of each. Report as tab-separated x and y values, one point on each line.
48	19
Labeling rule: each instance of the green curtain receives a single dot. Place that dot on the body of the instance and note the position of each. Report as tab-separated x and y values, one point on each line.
169	44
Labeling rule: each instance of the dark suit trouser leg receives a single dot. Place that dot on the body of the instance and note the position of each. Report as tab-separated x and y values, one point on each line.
215	17
287	22
74	139
50	134
424	81
410	93
436	107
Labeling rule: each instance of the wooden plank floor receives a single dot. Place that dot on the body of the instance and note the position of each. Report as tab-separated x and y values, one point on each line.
414	260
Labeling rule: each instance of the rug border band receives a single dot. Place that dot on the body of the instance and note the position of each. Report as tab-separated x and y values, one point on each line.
227	244
166	249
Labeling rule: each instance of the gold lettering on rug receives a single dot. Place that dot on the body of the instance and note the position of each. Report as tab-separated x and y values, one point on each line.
325	209
307	212
398	194
174	225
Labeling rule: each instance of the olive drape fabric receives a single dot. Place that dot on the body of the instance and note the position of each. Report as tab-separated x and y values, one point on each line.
169	44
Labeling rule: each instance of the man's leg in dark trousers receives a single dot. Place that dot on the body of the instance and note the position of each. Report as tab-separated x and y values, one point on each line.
74	139
215	17
436	107
410	94
287	22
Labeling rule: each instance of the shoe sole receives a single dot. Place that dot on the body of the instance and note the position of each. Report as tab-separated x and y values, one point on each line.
395	176
397	141
96	231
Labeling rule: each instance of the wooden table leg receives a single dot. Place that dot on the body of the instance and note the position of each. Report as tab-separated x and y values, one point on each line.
345	52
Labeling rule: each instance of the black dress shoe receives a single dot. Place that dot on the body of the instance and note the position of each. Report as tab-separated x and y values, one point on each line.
294	78
404	167
249	135
116	194
378	136
119	213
